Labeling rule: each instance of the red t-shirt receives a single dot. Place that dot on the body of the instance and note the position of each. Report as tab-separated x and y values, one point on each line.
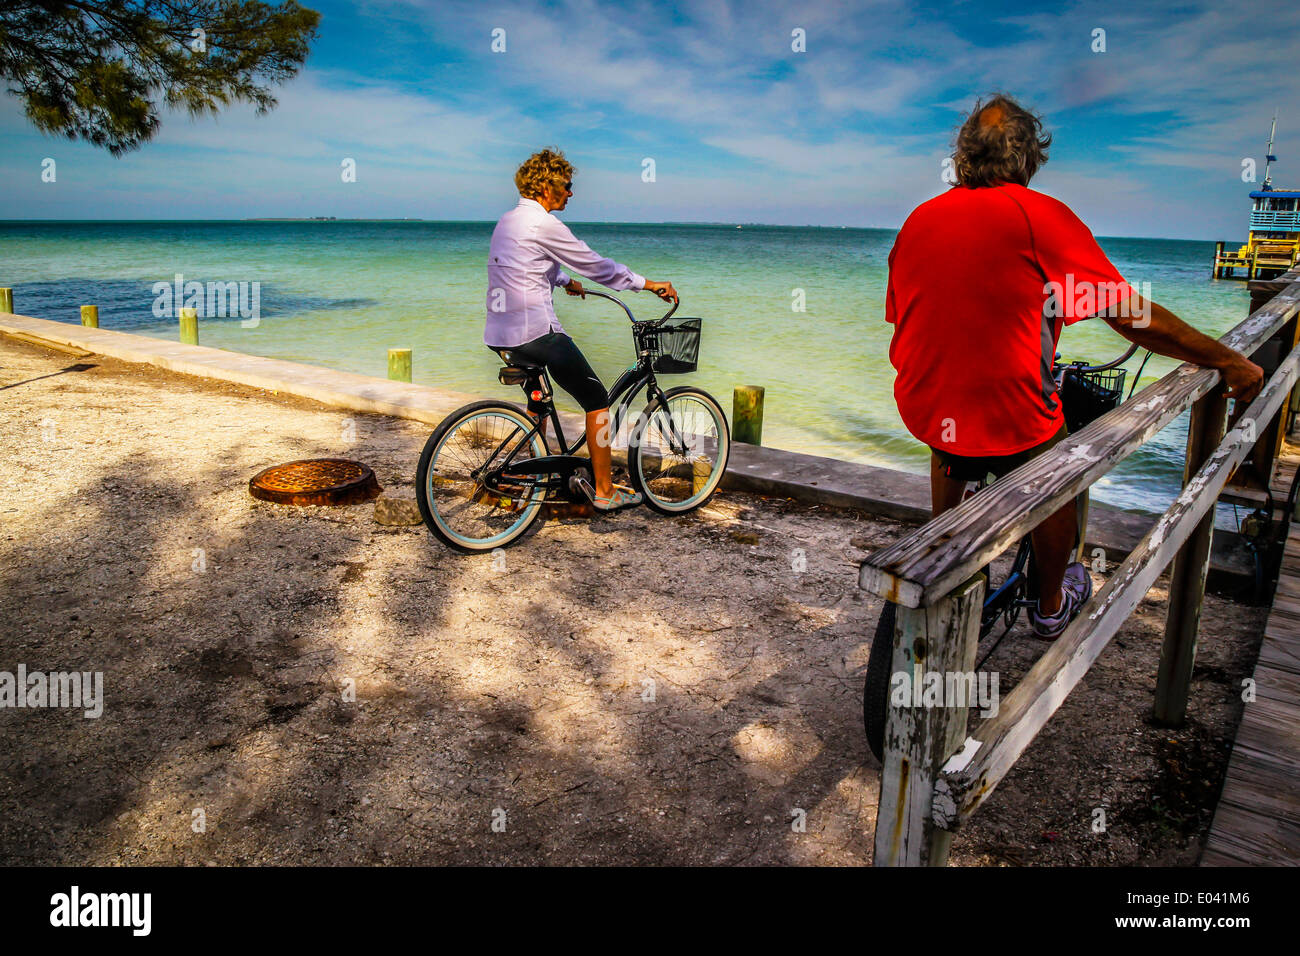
976	321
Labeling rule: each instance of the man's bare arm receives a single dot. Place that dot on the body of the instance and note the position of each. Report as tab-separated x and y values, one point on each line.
1154	327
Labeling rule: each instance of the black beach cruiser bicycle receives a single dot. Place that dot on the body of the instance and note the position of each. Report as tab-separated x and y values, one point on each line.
1087	392
488	467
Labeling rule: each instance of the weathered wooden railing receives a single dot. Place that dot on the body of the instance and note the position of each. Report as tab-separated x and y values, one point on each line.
934	774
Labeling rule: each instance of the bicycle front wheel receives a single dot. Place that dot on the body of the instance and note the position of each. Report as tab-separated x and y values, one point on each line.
463	496
678	451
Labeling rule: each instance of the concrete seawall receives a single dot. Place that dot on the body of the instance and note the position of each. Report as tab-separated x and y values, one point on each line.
761	470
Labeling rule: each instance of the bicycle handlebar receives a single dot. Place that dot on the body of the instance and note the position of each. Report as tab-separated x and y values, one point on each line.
617	301
1132	349
1096	368
622	305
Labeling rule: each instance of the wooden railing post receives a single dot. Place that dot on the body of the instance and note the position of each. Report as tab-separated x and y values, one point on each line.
1269	449
918	741
1187	577
1259	465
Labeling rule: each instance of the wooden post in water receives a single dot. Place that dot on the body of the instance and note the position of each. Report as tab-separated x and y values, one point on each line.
399	365
1218	251
747	414
940	639
189	326
90	316
1187	576
6	300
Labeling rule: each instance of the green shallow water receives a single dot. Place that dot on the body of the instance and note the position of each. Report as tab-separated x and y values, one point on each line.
340	294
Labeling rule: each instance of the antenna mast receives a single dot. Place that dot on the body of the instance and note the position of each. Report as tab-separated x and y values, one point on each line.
1269	158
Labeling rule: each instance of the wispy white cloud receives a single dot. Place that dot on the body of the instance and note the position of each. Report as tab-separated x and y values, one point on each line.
1149	135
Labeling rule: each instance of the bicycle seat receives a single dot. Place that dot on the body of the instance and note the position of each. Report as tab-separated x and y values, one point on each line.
519	374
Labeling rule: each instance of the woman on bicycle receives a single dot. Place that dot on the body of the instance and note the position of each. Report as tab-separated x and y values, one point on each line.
529	245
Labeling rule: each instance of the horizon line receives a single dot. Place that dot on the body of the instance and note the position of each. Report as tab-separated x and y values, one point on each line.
582	222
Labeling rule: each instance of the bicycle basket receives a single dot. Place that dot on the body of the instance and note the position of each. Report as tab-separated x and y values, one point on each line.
1086	396
679	347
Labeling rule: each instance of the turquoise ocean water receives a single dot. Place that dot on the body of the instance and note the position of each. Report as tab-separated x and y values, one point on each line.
340	294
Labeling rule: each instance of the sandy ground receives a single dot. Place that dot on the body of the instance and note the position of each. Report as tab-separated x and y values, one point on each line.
631	689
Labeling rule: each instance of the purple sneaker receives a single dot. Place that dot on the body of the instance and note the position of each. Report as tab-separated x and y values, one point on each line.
1075	591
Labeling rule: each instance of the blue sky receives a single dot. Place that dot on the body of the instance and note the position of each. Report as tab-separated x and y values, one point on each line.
1149	135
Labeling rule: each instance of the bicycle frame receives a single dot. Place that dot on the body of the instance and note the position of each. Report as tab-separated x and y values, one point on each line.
1007	598
557	468
627	386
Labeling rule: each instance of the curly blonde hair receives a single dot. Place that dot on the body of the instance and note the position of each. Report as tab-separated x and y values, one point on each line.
541	171
1001	141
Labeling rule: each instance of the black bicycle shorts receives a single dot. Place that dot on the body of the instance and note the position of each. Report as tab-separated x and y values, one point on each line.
565	364
963	468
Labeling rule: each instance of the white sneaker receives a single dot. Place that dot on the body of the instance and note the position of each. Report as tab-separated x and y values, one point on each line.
1076	589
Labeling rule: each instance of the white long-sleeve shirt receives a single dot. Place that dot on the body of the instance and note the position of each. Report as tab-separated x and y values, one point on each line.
529	245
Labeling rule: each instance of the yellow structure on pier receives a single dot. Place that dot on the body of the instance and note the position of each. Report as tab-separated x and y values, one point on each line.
1273	246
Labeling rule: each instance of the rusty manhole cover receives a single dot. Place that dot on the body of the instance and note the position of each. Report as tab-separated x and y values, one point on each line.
316	481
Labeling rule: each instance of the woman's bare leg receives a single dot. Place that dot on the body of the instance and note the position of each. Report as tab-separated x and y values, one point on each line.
598	440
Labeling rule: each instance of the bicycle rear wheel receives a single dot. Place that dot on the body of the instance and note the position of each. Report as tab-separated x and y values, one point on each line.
875	688
678	451
466	452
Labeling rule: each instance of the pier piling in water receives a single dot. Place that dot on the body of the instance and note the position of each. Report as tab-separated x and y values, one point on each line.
399	365
90	316
6	300
747	414
189	326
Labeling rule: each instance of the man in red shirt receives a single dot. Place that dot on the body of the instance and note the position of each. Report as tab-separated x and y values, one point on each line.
981	280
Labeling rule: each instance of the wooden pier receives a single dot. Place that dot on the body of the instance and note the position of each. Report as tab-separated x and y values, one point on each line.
1257	822
1256	260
